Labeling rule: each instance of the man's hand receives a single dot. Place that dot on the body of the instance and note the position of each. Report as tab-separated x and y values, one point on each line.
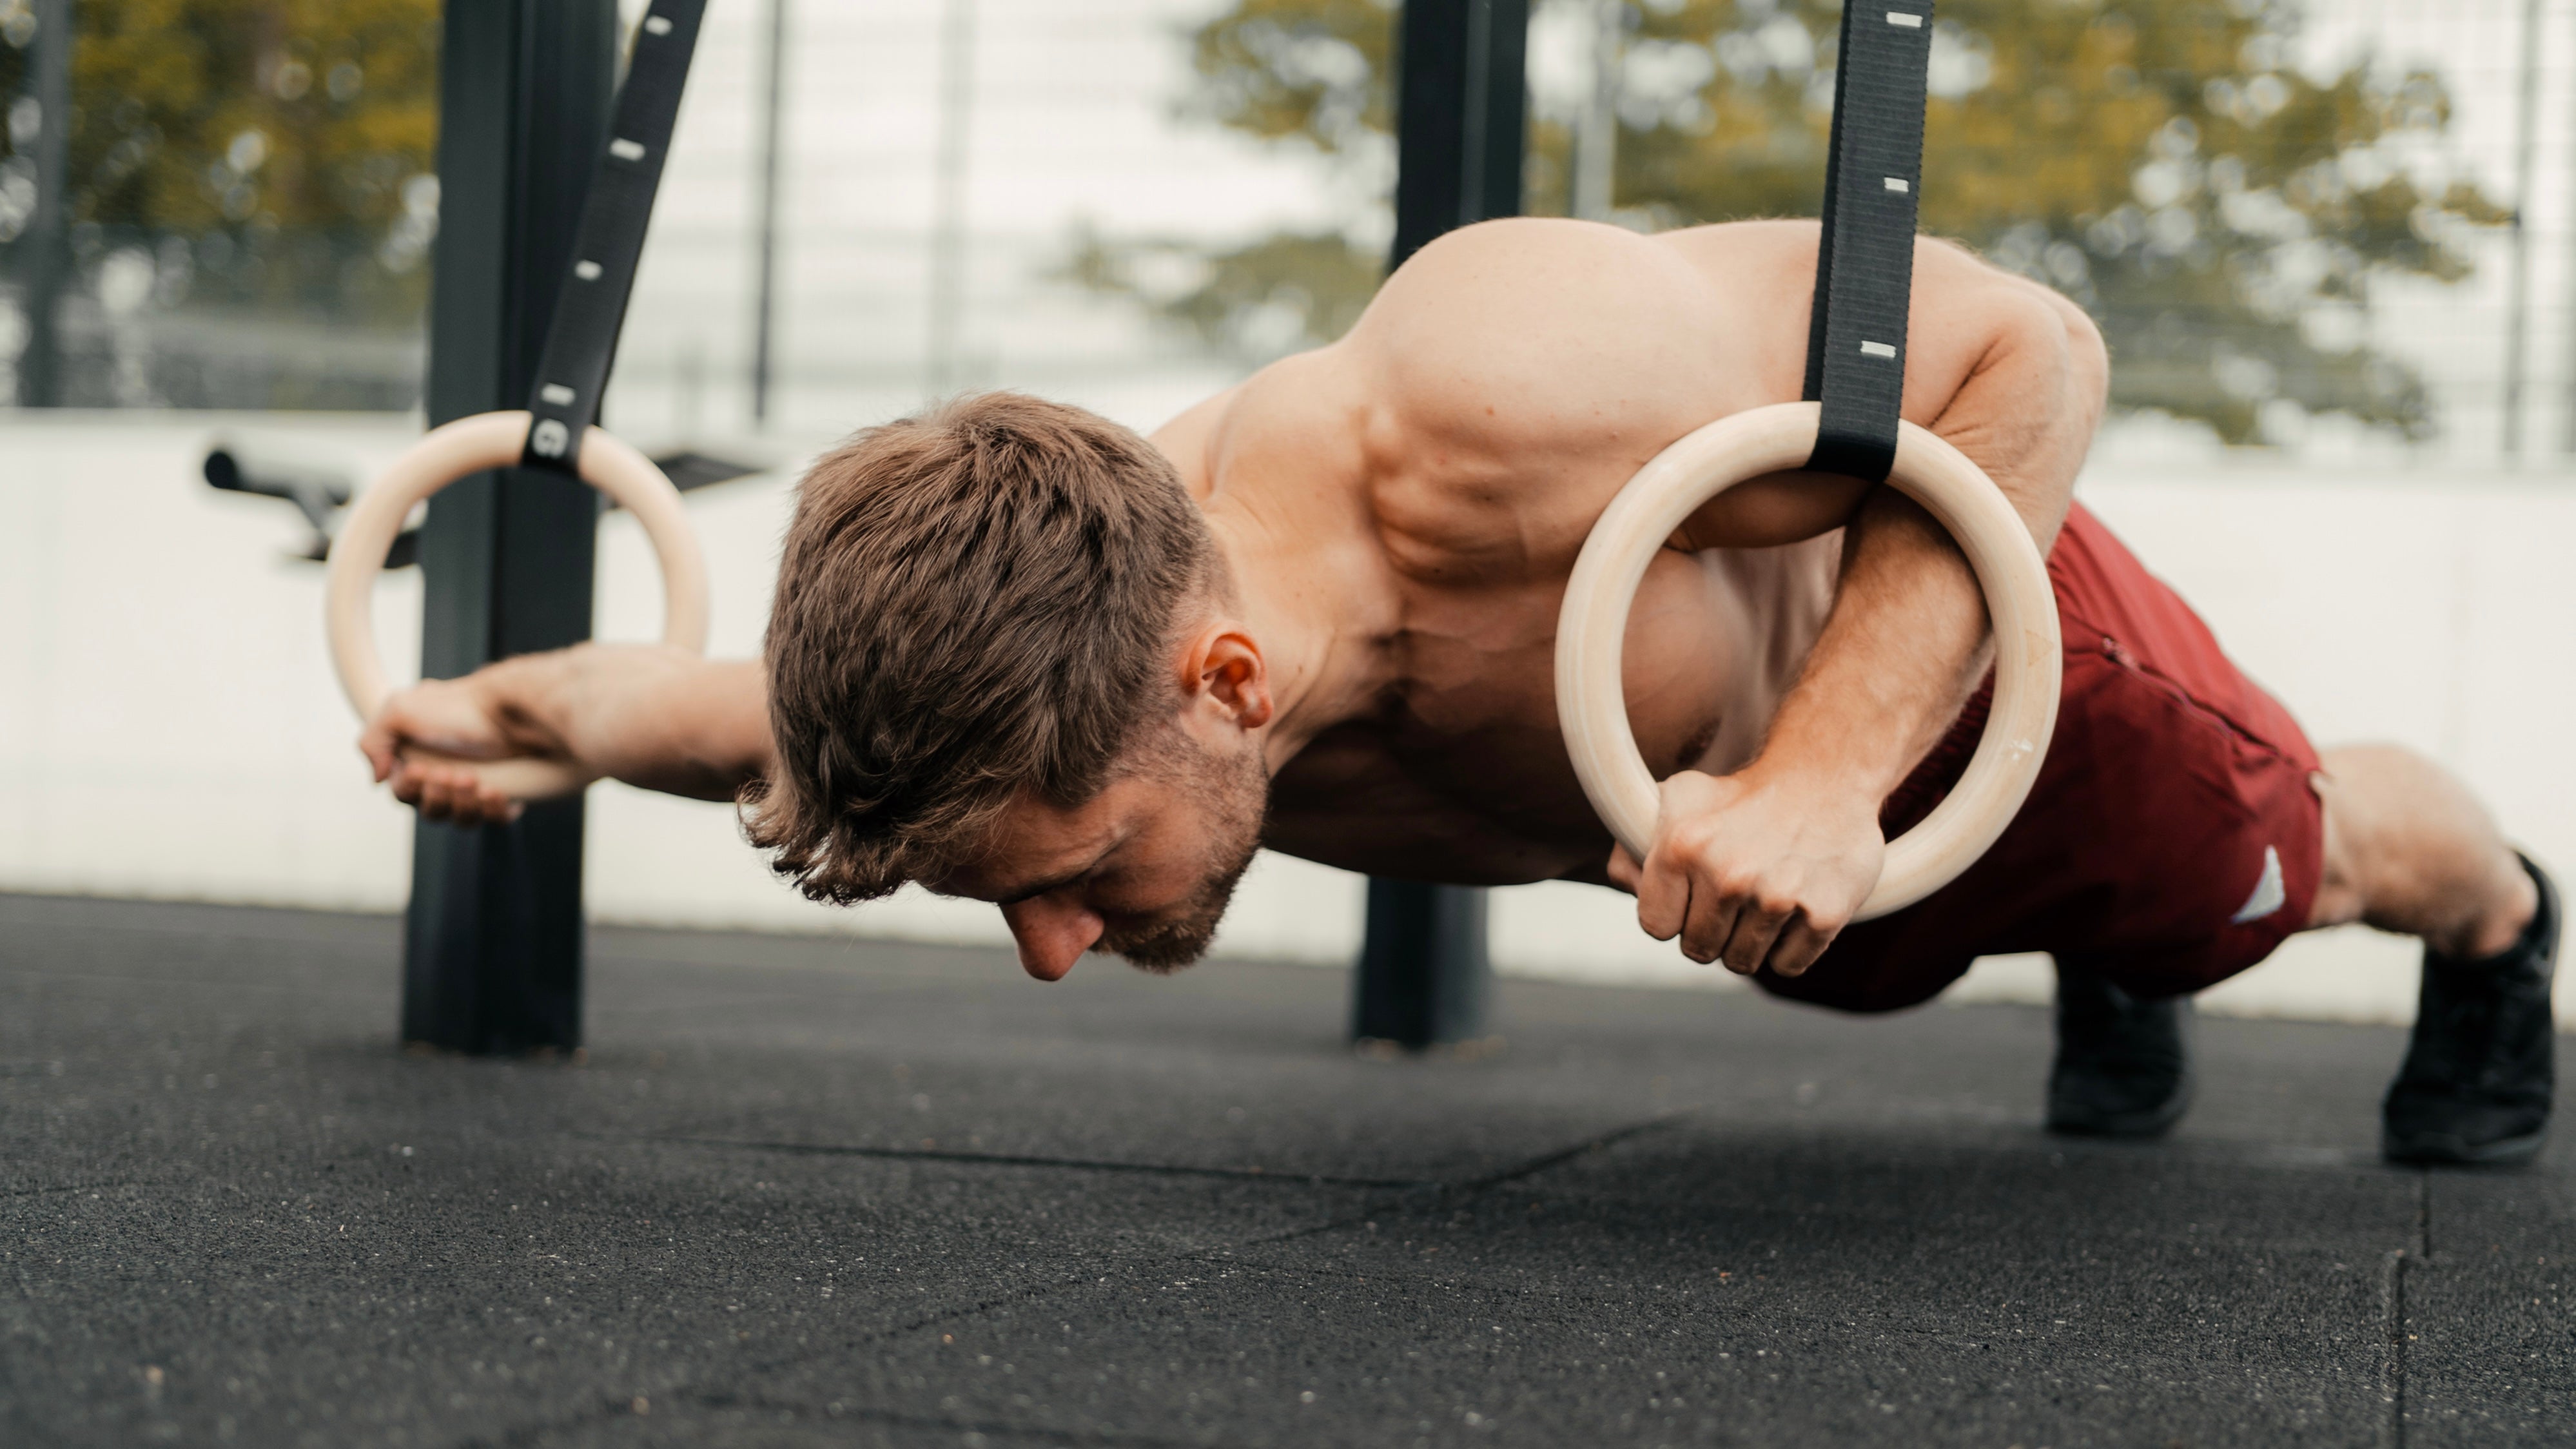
655	717
1754	870
462	718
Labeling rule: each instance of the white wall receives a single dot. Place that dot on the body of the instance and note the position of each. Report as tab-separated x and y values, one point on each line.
169	726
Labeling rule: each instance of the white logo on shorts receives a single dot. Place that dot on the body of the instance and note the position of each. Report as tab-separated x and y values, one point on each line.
2269	896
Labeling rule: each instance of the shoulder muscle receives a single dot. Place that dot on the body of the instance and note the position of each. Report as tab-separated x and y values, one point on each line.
1545	336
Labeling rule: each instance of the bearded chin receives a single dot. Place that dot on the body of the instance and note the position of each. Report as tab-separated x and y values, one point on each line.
1166	946
1235	794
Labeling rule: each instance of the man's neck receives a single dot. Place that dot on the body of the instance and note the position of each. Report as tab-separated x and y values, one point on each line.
1314	615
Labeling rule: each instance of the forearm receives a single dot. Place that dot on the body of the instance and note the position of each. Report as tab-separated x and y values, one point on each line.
656	718
1767	865
1901	652
1907	639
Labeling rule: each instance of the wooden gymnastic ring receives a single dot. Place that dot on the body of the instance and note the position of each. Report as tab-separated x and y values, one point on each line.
461	449
1591	700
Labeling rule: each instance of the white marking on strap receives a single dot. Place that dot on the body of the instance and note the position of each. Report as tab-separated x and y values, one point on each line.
1899	183
1910	22
1877	349
657	25
586	270
557	395
625	150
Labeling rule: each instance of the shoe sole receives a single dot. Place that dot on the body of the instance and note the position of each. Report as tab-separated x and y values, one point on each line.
2154	1122
2452	1152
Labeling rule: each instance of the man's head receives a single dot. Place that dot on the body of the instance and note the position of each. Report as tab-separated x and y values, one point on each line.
1000	664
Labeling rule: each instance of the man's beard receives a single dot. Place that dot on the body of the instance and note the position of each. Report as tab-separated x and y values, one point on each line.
1235	791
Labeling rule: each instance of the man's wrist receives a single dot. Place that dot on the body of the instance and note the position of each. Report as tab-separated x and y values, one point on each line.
1834	780
521	696
1863	749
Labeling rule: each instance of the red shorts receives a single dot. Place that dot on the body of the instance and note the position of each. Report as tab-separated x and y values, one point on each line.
2173	839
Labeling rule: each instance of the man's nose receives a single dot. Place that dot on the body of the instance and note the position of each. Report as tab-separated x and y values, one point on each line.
1052	934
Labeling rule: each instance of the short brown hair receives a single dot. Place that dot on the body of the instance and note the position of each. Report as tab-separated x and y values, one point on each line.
975	603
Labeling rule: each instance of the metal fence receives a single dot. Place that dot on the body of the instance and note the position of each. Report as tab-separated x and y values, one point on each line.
947	166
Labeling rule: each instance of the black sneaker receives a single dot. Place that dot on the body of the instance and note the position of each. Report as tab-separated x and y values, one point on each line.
2123	1064
2480	1068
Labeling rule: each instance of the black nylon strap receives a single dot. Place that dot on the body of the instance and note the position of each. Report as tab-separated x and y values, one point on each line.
1865	258
581	338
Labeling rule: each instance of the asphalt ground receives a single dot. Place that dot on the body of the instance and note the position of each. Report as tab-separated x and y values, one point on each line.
809	1191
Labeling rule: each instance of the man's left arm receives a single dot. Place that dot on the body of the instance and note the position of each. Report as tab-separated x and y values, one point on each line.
1767	865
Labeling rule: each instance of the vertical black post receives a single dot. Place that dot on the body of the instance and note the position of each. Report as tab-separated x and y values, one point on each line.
764	320
47	240
1423	974
493	942
1460	112
1461	100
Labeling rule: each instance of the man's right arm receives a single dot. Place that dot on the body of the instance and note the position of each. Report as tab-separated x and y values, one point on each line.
657	718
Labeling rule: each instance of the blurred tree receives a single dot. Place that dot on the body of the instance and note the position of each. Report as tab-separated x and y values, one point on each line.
2219	211
286	146
1276	295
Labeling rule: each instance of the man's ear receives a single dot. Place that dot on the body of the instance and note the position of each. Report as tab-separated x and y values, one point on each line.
1222	668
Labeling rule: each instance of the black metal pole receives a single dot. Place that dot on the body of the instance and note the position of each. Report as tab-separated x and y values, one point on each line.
493	942
1423	974
1460	116
764	319
46	242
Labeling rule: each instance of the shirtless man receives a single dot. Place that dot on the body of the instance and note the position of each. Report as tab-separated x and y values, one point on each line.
1021	655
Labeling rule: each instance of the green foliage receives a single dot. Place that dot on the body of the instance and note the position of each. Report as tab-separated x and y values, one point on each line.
290	143
2220	212
1318	70
1275	295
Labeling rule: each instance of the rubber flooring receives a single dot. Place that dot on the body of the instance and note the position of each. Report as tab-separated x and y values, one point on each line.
812	1191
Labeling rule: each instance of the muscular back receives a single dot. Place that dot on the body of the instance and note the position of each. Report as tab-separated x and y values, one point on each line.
1430	478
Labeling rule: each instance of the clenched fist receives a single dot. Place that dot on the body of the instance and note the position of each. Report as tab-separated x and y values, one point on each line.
457	718
1754	870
